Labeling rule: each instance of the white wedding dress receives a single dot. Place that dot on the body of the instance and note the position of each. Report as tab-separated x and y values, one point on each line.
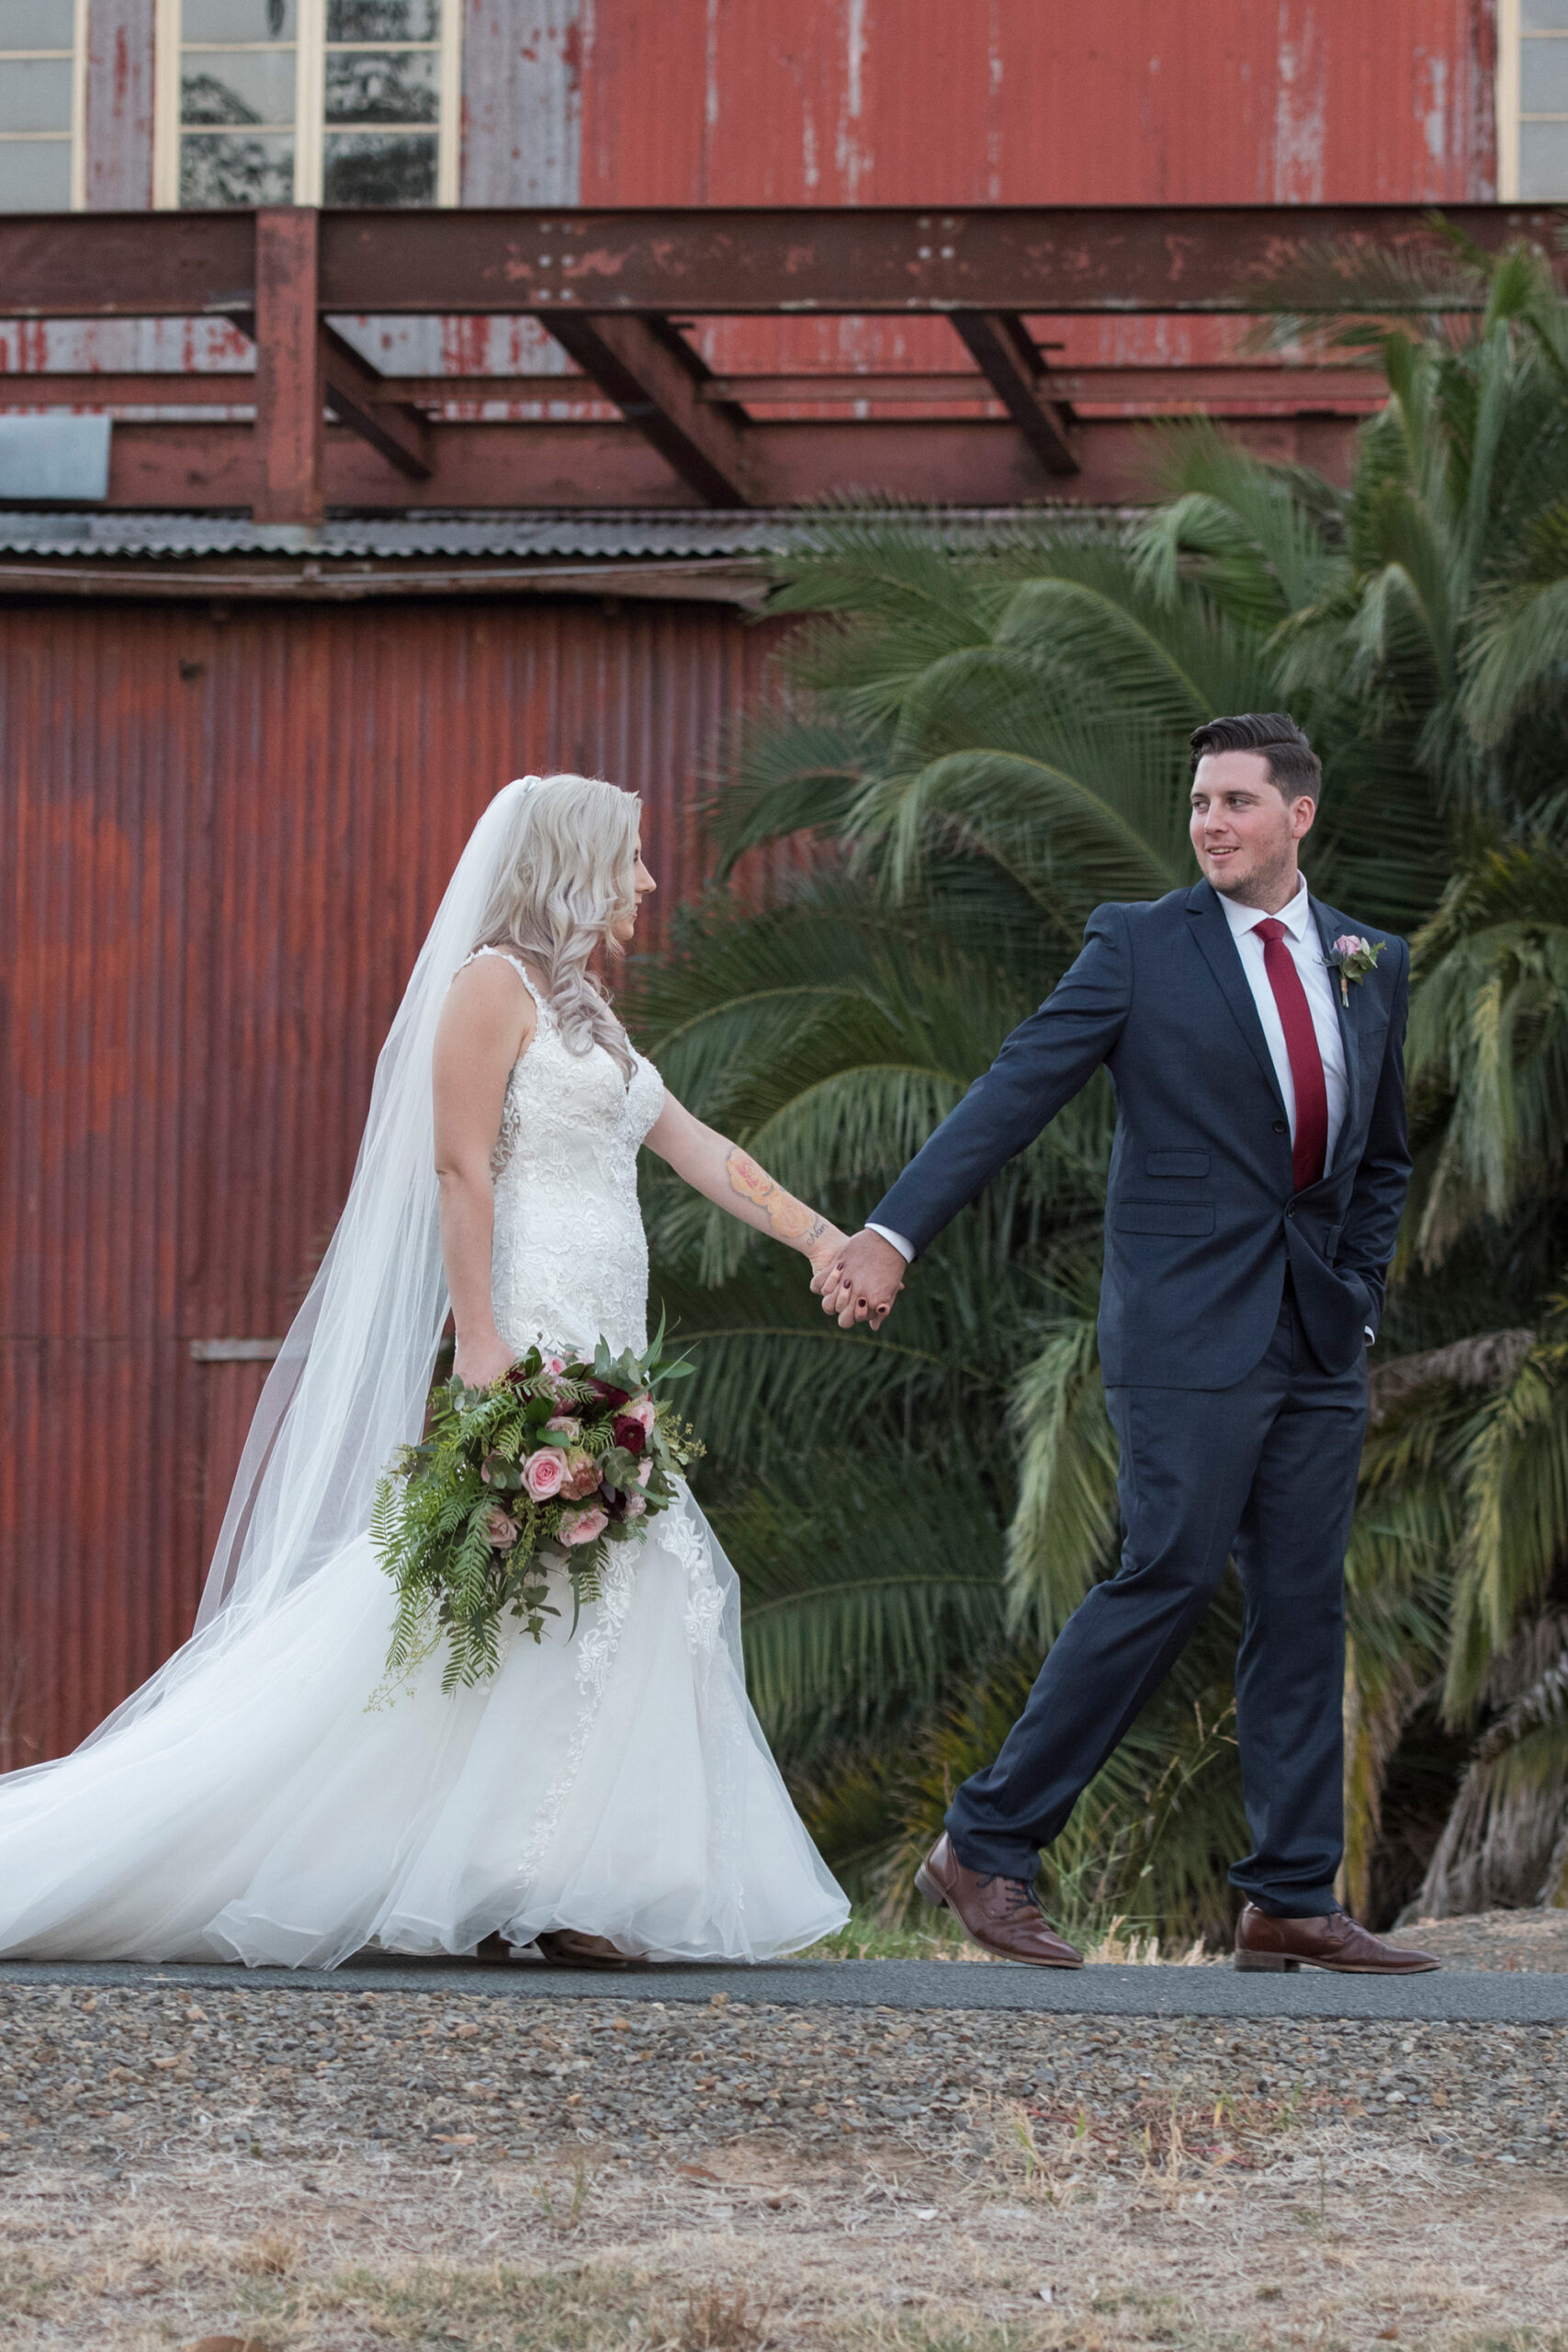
614	1781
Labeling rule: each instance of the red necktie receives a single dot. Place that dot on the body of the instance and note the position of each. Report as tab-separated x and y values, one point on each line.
1310	1148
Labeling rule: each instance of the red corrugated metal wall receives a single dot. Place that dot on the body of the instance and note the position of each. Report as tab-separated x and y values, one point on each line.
222	842
1033	101
925	101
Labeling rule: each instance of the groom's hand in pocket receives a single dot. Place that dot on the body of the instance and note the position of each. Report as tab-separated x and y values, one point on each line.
862	1282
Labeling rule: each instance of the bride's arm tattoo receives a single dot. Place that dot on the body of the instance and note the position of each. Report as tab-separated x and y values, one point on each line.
790	1218
730	1178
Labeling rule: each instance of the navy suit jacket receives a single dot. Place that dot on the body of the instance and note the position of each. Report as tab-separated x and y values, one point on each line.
1202	1217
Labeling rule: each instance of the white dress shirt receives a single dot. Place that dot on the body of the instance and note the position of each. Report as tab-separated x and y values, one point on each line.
1306	953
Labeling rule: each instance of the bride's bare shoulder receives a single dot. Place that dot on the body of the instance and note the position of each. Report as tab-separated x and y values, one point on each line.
489	1003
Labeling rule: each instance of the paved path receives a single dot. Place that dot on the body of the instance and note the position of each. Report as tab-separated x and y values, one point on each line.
1499	1997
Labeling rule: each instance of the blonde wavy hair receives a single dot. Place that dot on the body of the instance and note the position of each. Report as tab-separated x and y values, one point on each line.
566	877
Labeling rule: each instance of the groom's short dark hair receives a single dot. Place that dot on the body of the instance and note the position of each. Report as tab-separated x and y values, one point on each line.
1293	766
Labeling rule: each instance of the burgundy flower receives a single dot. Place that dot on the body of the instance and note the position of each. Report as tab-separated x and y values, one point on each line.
628	1433
612	1398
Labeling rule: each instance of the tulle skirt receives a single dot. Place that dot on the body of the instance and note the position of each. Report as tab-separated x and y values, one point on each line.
281	1806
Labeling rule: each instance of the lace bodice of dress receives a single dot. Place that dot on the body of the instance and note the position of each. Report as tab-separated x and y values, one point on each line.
569	1261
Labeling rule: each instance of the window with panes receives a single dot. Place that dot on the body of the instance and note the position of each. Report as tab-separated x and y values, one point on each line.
1533	99
42	45
311	102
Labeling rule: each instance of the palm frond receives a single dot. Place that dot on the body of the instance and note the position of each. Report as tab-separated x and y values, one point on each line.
868	1589
1258	539
1063	1536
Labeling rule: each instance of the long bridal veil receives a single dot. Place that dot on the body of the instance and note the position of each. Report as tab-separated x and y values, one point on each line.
351	1380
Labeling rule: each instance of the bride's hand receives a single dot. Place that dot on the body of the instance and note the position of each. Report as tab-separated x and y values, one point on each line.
821	1252
479	1361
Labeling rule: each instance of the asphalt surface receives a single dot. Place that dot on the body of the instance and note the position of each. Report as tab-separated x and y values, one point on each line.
1499	1997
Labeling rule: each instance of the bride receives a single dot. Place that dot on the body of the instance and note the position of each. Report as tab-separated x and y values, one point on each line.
606	1794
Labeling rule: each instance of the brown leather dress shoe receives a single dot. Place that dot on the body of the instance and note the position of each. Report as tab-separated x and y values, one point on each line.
1001	1914
1335	1941
565	1948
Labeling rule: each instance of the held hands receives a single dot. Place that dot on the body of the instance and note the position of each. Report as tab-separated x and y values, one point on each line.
823	1250
860	1281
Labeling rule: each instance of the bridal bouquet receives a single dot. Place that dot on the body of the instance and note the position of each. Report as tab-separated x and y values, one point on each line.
541	1472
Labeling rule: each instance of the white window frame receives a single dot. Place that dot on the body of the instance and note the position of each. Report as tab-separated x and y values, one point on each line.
1511	114
310	100
78	54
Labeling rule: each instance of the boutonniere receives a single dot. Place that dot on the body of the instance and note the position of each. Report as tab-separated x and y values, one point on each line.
1353	958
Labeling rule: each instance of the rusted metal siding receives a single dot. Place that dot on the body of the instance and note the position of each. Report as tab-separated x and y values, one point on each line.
904	101
923	102
222	840
919	102
521	101
119	133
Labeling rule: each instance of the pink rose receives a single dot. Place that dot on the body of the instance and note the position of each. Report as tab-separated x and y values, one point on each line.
555	1365
1349	944
501	1529
643	1410
645	1470
544	1474
564	1426
582	1526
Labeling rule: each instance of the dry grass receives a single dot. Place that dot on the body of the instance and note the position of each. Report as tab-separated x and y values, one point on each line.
1244	2226
1124	1945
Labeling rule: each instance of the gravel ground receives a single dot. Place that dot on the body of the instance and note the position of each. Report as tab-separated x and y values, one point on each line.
327	2172
115	2078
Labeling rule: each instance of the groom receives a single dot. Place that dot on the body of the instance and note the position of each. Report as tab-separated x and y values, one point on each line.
1256	1182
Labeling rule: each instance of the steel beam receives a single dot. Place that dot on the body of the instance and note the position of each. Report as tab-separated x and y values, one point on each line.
129	389
1002	348
1166	386
353	396
654	377
126	265
1163	388
973	461
811	386
290	388
853	260
860	260
434	391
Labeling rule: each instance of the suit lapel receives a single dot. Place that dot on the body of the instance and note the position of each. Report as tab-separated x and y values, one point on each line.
1346	1002
1213	933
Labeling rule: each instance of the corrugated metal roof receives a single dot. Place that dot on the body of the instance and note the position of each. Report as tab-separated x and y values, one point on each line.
620	536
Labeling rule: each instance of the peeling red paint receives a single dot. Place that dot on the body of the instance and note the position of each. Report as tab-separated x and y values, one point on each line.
119	103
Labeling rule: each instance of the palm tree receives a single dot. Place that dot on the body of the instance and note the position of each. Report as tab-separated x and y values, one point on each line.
977	747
